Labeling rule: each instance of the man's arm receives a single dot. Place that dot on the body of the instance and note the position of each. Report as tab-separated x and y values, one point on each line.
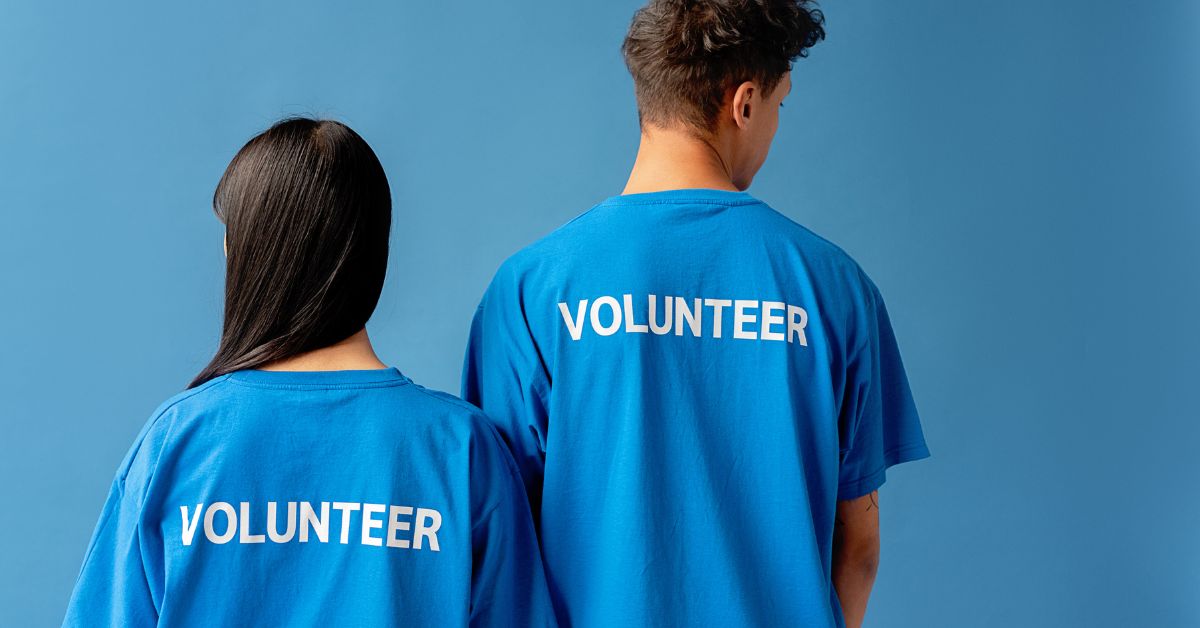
504	375
856	554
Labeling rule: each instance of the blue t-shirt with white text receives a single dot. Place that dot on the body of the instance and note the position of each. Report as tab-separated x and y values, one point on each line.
690	382
323	498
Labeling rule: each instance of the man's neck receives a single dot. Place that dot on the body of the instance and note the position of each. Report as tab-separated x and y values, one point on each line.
670	159
352	354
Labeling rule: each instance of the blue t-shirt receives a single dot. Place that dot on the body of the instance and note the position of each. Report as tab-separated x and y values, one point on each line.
332	498
690	381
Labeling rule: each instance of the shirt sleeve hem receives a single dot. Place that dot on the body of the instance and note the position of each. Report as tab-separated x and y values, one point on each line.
870	483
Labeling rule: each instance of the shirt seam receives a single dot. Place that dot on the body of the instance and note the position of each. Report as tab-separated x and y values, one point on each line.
124	472
331	386
158	417
884	467
680	201
466	407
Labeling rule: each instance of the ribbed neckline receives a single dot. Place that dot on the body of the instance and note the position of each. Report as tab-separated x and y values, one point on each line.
320	378
687	195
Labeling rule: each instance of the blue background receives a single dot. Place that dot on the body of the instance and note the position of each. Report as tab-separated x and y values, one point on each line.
1019	178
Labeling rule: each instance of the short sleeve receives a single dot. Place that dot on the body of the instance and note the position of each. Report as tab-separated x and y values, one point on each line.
122	566
508	582
504	375
879	426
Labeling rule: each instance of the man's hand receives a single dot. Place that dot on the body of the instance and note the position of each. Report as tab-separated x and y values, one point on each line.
856	554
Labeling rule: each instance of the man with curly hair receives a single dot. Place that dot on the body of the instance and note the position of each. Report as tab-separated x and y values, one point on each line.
702	395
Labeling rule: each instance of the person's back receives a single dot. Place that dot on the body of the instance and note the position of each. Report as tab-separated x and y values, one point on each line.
702	395
299	480
711	361
321	498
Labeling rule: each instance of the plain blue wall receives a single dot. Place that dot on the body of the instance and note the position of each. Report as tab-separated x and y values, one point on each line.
1021	179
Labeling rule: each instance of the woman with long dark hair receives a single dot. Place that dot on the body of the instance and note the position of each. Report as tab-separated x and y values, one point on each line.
299	480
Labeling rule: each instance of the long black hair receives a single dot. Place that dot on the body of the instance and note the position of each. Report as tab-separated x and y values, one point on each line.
307	213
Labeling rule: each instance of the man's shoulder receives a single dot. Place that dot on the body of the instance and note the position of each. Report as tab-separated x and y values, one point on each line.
816	249
553	249
598	231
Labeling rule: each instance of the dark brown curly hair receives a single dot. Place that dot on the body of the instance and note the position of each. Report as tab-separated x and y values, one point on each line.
685	55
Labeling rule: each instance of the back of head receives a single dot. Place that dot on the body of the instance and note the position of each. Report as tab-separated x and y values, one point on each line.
307	211
685	55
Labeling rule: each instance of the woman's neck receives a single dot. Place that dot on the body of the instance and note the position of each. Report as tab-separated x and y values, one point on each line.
352	354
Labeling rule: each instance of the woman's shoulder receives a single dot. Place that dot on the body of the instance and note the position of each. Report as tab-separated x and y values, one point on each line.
459	413
187	399
142	457
443	403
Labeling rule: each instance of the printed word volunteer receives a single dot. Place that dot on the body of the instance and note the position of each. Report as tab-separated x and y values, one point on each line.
752	320
378	524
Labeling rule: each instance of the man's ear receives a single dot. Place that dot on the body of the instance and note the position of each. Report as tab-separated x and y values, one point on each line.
742	106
